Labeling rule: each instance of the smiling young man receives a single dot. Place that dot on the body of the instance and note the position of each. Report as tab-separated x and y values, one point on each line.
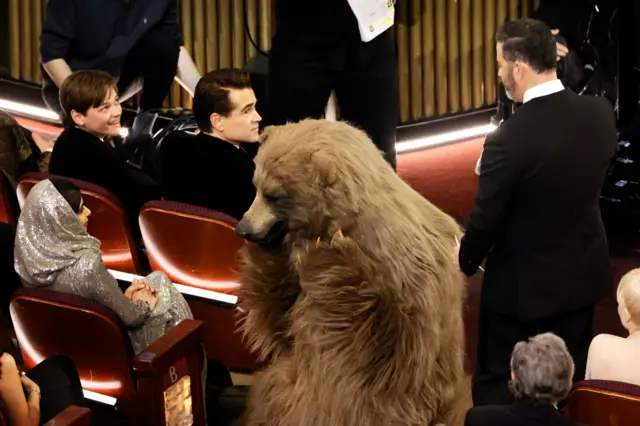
84	150
215	168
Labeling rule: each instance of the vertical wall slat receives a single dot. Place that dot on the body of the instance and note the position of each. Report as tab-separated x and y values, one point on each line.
489	52
224	33
428	59
403	59
25	40
187	31
252	21
265	25
36	21
478	53
212	35
524	9
199	37
415	63
238	37
514	9
453	56
14	38
465	54
441	56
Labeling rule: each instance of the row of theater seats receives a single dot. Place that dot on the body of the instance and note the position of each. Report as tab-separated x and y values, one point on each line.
197	249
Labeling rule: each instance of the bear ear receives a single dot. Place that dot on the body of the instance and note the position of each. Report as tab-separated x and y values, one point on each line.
266	134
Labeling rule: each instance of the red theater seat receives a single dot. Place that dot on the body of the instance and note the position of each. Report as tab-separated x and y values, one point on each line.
604	403
108	222
192	245
197	247
93	336
9	210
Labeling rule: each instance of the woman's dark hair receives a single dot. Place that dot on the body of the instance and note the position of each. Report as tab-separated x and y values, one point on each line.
69	192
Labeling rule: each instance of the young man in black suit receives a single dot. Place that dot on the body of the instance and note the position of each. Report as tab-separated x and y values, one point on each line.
215	168
536	217
85	149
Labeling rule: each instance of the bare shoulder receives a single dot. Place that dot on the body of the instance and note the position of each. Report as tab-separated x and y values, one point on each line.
604	340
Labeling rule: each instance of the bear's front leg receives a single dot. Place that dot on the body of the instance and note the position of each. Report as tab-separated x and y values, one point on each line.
269	290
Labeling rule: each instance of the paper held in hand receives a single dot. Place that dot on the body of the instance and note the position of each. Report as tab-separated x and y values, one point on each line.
374	17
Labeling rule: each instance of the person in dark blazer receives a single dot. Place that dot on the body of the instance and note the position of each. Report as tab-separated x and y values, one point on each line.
214	169
137	41
85	151
541	371
317	48
536	217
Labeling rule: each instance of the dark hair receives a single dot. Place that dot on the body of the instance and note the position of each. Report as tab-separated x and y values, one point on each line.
529	41
83	90
69	192
212	94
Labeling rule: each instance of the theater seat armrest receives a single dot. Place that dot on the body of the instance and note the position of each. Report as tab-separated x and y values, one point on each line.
71	416
162	353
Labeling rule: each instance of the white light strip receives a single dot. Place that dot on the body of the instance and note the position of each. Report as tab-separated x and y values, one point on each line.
29	110
98	397
444	138
184	289
411	145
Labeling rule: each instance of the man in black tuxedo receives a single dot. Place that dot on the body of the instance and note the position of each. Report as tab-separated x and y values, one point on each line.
536	217
215	168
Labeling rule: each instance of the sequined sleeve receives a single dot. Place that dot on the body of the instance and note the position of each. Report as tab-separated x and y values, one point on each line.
104	289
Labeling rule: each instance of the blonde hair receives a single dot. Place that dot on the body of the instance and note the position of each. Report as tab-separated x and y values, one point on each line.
629	294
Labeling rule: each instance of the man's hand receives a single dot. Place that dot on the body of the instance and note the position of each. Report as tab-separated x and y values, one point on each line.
561	49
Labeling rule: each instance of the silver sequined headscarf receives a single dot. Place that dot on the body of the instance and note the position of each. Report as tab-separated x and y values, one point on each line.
49	237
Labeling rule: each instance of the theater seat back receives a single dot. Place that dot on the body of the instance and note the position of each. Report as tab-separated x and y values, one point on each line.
195	246
48	323
108	222
198	247
9	210
604	403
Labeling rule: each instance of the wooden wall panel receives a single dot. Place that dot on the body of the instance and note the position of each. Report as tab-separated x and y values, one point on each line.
445	48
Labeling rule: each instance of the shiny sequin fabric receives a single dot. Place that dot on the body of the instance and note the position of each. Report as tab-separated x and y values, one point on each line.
53	250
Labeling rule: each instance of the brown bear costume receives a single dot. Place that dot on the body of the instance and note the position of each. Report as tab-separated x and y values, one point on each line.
359	309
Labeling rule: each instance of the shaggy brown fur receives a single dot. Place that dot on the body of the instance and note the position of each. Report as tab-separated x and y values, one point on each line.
359	312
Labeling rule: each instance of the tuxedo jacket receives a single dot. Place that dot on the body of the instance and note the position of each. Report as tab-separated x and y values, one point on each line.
536	218
208	172
520	413
79	154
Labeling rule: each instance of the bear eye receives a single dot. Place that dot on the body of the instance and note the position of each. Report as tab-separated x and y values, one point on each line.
270	198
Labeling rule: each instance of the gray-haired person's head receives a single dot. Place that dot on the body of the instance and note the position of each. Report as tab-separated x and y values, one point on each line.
542	369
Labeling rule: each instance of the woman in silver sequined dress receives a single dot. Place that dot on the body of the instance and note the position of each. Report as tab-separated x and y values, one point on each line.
54	250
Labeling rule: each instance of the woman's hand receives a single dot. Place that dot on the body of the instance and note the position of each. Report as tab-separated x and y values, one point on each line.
146	296
140	284
29	385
